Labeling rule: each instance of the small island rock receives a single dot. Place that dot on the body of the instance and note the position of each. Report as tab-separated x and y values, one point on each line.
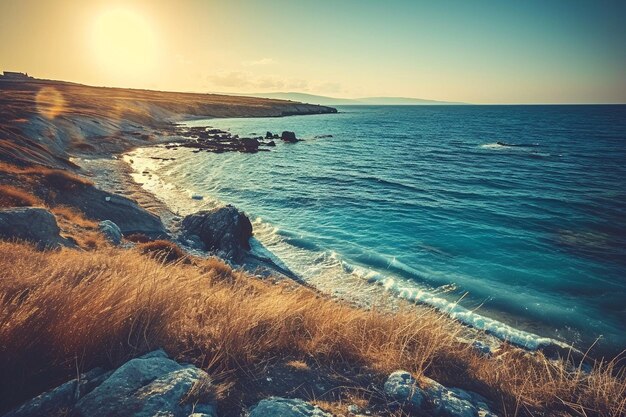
289	137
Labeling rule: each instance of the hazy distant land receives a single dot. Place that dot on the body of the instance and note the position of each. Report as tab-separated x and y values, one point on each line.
364	101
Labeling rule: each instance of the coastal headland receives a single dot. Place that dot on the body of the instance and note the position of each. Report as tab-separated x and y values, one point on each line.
110	303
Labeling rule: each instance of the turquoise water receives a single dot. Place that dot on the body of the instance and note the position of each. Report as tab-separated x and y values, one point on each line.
427	203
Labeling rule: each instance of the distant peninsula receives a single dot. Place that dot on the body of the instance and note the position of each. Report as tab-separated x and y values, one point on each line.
364	101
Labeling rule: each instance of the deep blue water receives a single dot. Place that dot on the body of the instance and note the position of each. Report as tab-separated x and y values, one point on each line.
422	200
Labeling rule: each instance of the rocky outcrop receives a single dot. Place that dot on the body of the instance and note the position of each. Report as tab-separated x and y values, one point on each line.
403	390
32	224
224	230
61	398
250	144
111	231
289	137
284	407
147	386
434	399
124	212
151	385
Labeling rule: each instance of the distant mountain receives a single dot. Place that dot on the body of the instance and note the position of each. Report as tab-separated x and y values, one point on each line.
333	101
306	98
400	101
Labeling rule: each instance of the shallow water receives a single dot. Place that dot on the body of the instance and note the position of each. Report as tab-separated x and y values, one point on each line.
431	204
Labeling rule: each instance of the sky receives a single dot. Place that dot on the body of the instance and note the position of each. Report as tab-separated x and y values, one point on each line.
492	52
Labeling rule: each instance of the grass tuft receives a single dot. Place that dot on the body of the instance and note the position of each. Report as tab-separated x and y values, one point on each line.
163	250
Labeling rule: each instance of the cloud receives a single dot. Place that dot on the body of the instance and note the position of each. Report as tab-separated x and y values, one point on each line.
258	62
245	81
183	60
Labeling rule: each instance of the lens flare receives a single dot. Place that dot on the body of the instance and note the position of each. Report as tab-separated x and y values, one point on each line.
50	102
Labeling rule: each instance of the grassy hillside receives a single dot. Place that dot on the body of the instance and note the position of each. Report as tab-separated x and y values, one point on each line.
40	121
68	310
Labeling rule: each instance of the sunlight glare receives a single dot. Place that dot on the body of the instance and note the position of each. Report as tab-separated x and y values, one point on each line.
124	44
50	102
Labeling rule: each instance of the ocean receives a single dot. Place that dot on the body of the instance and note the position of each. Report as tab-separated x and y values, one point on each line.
509	218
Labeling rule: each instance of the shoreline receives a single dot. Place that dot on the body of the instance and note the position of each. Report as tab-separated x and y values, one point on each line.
493	336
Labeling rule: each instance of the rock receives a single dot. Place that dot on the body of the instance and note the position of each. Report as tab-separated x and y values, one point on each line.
284	407
122	211
482	348
250	144
61	398
33	224
289	137
269	135
434	399
197	197
152	385
111	231
403	389
270	143
323	136
454	402
224	229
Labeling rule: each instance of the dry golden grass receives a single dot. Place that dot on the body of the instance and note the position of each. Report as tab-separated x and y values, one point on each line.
16	197
138	238
75	225
163	250
39	174
67	309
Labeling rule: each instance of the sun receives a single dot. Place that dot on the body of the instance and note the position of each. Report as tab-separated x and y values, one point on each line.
124	44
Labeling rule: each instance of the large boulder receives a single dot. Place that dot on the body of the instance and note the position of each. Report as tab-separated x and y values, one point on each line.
124	212
224	230
32	224
152	385
289	137
402	388
284	407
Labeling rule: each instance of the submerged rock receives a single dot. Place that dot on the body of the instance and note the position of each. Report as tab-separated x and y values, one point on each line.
32	224
288	136
111	231
225	230
284	407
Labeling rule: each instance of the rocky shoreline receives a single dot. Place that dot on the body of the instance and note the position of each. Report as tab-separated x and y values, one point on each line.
222	232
